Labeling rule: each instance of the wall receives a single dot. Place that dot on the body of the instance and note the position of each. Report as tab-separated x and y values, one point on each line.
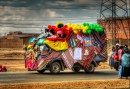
120	32
11	43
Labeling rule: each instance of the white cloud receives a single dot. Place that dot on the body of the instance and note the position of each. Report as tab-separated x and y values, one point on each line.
53	14
18	18
64	3
83	1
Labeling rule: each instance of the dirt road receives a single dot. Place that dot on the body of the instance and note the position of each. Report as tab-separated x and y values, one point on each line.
101	79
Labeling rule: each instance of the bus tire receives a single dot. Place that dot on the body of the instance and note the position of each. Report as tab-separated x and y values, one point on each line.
76	69
55	68
90	69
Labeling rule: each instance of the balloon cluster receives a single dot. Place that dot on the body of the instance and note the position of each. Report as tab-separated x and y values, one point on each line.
85	28
60	28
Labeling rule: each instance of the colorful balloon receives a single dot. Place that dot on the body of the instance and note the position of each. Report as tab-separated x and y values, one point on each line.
100	29
49	27
76	32
40	41
88	31
31	40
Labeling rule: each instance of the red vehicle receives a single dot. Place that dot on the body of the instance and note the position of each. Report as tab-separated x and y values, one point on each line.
66	48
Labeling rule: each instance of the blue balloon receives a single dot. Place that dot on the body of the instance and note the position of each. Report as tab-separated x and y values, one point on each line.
31	40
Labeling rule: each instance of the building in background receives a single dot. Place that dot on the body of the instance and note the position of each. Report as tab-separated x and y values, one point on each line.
16	39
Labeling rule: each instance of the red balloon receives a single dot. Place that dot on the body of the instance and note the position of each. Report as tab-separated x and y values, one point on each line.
56	29
65	26
49	27
70	29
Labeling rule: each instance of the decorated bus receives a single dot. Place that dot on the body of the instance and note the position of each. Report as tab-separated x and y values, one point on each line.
71	46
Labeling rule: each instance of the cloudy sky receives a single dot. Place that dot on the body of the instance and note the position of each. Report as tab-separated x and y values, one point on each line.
30	16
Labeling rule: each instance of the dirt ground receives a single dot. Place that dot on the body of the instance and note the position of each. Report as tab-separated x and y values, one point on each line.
113	84
14	61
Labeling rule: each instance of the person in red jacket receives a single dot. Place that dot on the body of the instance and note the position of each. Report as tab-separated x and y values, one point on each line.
116	61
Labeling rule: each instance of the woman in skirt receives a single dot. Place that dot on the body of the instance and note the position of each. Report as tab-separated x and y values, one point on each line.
125	64
111	60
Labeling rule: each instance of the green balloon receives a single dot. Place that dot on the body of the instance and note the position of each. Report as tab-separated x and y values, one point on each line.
84	24
60	25
97	30
87	24
100	29
89	27
88	31
98	26
94	25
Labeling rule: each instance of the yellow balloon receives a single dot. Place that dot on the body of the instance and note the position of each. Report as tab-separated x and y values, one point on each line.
74	27
84	30
86	27
82	26
69	24
78	27
76	32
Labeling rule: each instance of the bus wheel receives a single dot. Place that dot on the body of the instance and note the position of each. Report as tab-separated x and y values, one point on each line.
55	68
76	69
90	69
41	71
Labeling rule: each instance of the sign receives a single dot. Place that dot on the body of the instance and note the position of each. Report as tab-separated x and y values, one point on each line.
87	41
78	53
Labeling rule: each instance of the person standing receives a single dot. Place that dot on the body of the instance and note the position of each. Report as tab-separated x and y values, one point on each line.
120	52
116	61
4	69
111	60
125	48
125	64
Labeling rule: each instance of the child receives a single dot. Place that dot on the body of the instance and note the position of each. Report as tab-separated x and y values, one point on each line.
4	69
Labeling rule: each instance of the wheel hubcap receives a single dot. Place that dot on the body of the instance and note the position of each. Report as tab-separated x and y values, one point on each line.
56	68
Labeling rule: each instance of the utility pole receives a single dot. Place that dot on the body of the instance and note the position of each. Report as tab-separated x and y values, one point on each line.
114	19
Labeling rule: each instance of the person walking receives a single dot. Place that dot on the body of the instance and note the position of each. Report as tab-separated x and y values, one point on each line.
125	65
111	60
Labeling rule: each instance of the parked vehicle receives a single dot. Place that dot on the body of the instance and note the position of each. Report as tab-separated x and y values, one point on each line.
60	48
